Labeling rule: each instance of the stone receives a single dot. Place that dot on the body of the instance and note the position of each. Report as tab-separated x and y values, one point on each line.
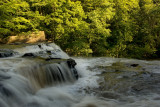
6	53
71	63
34	37
29	55
134	65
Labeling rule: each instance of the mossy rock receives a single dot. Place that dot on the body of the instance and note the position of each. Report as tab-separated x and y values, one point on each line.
127	78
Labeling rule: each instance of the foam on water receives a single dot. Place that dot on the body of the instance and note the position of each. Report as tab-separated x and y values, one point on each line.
89	81
79	94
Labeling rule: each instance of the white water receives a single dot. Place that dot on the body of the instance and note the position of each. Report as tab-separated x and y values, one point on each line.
17	91
73	95
56	51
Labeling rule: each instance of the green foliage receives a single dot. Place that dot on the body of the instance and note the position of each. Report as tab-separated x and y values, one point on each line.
99	13
147	36
117	28
122	27
16	17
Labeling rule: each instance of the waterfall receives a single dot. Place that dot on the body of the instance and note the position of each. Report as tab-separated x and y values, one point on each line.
33	68
42	75
44	65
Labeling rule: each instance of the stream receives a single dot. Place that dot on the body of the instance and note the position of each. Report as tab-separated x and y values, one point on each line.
44	76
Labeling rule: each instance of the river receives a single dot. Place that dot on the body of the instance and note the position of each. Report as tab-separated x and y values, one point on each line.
102	82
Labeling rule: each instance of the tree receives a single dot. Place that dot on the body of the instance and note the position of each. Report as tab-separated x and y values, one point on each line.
99	13
144	41
122	27
65	26
16	17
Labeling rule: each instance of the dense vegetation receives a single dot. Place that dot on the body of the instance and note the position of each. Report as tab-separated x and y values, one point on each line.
118	28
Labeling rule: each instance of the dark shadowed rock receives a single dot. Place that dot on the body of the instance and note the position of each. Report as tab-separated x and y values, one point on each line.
48	59
6	53
71	63
134	65
29	55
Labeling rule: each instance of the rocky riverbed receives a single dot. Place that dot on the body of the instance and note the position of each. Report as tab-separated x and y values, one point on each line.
42	75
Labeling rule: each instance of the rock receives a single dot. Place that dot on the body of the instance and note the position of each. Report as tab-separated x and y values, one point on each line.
71	63
48	59
29	55
110	95
40	46
33	37
6	53
49	52
134	65
3	55
75	73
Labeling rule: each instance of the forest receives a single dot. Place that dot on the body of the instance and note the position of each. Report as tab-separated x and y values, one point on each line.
112	28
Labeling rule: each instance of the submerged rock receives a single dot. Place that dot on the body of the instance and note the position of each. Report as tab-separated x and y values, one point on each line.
6	53
134	65
128	79
72	63
5	91
33	104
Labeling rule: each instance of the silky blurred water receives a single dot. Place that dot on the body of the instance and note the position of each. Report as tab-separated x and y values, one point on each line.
16	90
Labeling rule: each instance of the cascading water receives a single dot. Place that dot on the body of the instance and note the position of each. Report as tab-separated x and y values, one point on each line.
44	76
33	68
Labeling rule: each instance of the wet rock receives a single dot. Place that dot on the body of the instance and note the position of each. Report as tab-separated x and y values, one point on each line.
128	79
6	53
29	55
49	52
48	59
132	82
109	95
134	65
40	46
147	83
75	72
48	55
71	63
2	54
